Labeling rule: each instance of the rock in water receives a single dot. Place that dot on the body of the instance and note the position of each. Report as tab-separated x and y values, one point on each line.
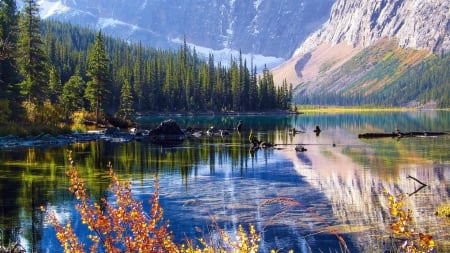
167	133
167	127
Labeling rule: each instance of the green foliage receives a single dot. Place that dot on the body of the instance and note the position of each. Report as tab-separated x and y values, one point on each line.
70	59
72	94
98	70
55	86
126	101
5	111
161	80
385	75
32	59
10	91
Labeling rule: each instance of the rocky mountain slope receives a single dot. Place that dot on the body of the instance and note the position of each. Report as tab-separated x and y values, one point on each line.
396	33
260	27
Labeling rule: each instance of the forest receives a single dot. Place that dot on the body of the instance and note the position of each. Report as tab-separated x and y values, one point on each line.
419	84
50	70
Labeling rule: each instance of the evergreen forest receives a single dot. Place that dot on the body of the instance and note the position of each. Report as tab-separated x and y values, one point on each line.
428	81
51	70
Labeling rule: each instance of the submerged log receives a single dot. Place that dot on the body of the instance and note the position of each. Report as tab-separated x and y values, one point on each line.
400	134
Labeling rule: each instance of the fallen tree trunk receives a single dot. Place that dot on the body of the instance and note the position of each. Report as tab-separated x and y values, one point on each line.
401	135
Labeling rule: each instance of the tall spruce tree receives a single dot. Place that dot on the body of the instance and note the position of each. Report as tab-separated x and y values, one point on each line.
32	58
9	94
98	70
126	100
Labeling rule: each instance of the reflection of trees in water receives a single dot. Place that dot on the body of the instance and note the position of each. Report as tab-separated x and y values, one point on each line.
145	157
31	178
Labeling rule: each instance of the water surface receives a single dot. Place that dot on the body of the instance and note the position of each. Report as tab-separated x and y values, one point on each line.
336	184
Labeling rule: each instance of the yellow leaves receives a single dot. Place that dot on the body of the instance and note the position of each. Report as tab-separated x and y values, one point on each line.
394	212
443	210
426	241
403	226
125	227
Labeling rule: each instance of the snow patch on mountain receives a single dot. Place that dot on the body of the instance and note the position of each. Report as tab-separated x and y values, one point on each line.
51	8
224	55
110	22
259	27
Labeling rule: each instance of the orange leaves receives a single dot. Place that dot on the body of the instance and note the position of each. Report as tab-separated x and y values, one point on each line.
125	227
403	226
66	236
426	241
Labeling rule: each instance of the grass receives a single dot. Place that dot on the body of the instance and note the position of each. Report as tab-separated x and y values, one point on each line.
343	109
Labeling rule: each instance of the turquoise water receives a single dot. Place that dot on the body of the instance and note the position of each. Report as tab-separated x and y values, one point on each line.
337	183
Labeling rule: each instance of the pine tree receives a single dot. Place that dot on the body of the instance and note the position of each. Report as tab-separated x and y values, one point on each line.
9	95
55	85
98	70
126	100
72	94
32	58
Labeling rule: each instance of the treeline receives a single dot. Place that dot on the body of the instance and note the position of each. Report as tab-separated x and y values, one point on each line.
428	81
54	65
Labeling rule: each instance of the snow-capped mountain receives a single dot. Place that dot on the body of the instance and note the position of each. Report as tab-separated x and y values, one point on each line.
266	29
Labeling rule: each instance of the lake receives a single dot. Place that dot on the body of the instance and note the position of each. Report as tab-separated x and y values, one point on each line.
337	185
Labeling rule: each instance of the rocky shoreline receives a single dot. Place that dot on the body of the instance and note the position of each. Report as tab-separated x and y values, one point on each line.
168	132
47	140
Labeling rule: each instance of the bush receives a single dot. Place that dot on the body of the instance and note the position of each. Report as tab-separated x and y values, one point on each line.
126	227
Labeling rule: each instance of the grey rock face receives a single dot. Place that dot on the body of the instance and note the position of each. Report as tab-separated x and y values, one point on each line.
266	27
414	24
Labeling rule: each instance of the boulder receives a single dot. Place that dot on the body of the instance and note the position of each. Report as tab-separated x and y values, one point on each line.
168	132
167	127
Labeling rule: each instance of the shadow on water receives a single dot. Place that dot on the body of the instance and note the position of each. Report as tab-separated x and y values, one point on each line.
337	182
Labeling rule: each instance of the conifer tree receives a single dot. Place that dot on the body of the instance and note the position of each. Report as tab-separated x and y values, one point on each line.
98	70
32	58
55	85
9	94
126	100
72	94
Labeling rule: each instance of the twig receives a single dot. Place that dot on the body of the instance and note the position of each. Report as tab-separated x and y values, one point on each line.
420	188
417	180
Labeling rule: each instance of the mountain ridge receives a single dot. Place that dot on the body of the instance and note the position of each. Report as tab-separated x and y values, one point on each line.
264	27
315	57
408	32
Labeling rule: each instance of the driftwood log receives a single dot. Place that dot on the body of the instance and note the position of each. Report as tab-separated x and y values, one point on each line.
400	134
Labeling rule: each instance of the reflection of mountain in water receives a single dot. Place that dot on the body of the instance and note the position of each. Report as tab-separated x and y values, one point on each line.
353	184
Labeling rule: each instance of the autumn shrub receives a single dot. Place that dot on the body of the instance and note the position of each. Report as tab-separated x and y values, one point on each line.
122	225
403	227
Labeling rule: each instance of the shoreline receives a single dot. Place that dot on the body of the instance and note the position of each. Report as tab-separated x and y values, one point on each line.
337	109
45	140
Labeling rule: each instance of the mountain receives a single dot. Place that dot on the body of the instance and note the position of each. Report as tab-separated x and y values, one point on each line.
269	28
345	52
366	47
